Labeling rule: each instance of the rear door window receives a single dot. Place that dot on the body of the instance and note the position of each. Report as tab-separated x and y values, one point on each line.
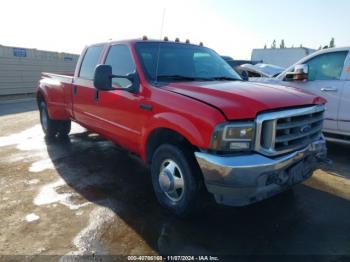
90	61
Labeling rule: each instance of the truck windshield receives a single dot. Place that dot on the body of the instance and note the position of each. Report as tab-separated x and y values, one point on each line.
182	62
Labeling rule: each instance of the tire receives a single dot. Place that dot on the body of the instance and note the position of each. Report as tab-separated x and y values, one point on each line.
53	128
175	167
64	128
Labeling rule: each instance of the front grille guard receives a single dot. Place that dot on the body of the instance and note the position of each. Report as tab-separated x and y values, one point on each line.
266	124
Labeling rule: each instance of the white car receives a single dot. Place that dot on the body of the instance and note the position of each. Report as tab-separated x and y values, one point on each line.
325	73
260	70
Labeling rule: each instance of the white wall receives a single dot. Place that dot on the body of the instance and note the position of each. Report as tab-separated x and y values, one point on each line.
20	68
283	57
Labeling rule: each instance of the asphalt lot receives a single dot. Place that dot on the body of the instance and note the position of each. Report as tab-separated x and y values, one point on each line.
87	196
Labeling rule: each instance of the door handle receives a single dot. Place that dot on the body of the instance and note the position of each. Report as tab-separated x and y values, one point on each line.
329	89
146	107
75	90
97	95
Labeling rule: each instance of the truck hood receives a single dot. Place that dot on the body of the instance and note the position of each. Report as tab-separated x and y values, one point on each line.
244	100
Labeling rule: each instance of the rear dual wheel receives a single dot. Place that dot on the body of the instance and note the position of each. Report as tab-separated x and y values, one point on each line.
53	128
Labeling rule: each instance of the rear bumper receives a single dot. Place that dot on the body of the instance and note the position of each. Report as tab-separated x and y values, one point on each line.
245	179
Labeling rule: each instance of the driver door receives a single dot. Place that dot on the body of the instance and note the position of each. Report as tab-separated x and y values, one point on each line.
118	111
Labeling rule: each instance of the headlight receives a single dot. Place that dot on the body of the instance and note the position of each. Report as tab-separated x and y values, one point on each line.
230	137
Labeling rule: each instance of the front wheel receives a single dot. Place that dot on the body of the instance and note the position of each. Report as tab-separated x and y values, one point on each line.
176	180
53	128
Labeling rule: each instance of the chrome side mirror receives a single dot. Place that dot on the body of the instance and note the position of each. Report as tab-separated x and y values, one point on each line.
300	73
302	69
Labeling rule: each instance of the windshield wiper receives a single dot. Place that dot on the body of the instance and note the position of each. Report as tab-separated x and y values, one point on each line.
190	78
176	77
219	78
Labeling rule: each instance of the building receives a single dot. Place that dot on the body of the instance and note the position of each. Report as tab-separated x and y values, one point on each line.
20	68
283	57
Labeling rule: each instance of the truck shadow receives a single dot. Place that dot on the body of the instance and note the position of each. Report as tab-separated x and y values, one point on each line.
296	222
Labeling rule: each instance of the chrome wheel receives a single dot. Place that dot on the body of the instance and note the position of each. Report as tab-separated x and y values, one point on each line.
44	117
171	180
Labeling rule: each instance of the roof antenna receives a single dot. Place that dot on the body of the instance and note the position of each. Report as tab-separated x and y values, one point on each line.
161	36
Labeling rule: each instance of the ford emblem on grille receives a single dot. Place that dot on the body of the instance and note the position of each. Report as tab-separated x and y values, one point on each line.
305	129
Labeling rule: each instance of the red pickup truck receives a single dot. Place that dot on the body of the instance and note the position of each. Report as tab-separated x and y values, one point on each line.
189	115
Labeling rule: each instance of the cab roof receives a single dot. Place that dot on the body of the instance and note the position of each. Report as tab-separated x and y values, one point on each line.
141	40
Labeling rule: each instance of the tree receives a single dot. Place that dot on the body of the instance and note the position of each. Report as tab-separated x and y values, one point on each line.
282	45
273	44
332	43
265	46
301	45
320	47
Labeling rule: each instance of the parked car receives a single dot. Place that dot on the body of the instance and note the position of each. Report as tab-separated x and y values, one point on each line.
325	73
260	70
235	64
188	115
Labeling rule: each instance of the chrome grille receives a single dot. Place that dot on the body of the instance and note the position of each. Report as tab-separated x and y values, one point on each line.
287	130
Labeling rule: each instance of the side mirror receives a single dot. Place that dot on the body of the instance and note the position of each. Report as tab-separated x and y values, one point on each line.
103	79
300	73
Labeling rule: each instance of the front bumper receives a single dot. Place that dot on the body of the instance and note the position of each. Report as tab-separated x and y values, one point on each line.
245	179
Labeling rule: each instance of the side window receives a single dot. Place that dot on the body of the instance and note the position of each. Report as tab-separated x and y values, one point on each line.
327	66
119	57
90	61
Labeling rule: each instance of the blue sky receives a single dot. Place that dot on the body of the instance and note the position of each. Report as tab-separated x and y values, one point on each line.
310	22
230	27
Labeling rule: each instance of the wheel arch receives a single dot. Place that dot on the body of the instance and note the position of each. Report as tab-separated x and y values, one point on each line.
169	127
40	97
163	135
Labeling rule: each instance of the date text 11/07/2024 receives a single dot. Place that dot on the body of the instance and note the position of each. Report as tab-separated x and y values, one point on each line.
173	258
